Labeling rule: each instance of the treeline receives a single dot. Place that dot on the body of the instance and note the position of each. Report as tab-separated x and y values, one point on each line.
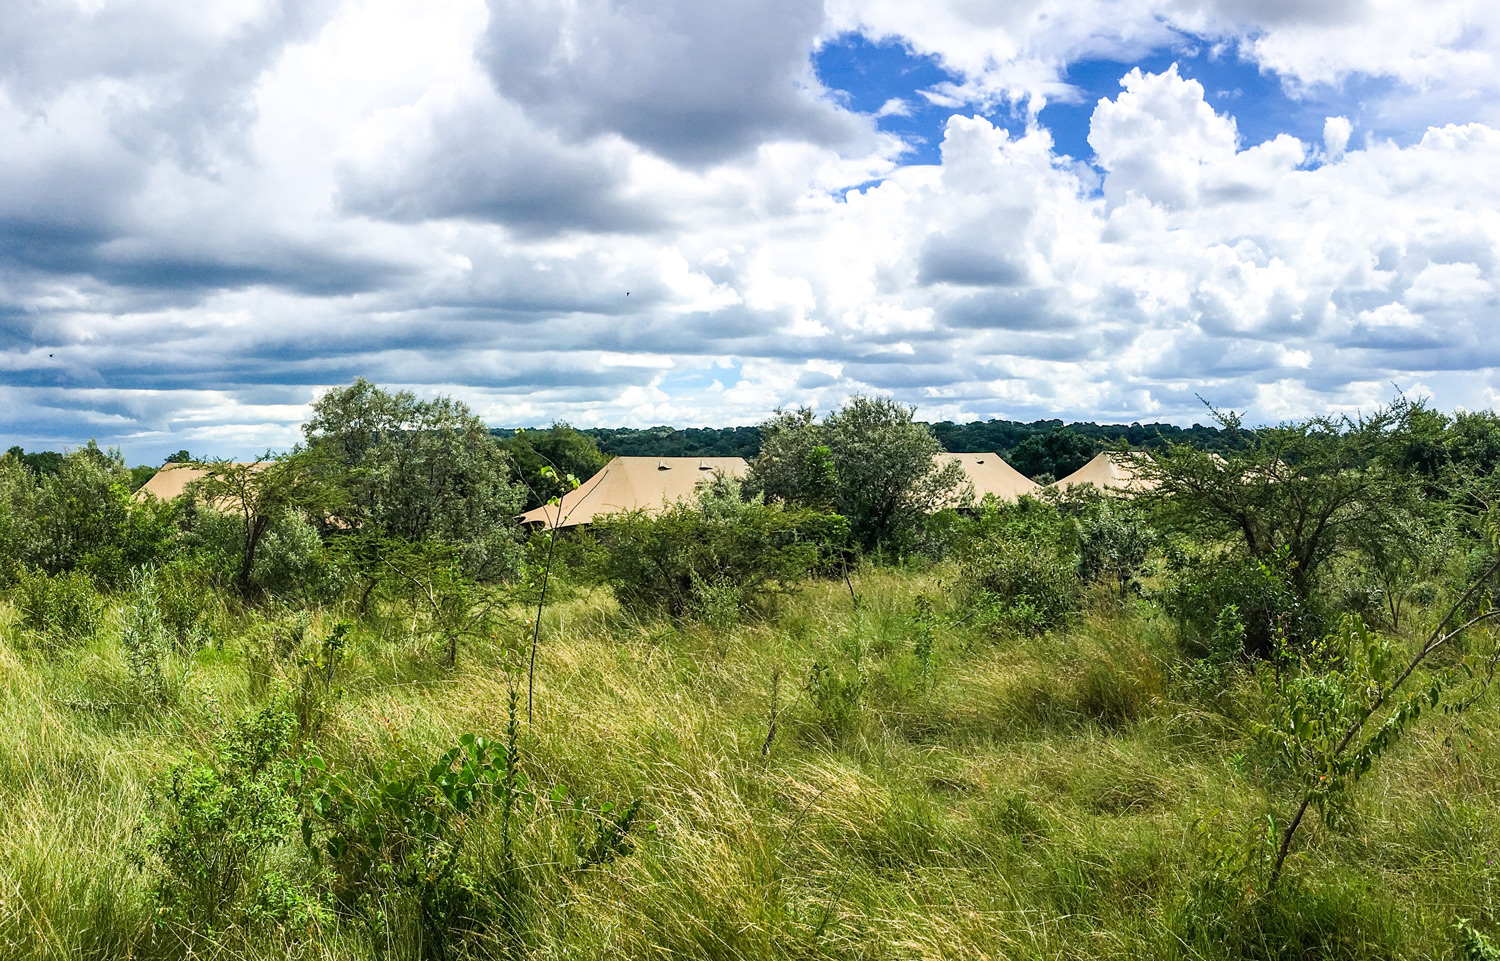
1043	450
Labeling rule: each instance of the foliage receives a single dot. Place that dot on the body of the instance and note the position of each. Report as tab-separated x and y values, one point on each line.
795	464
1198	583
216	819
868	461
1027	589
260	494
1223	647
1307	492
888	482
544	459
1332	714
1473	945
147	645
59	612
291	561
715	557
1113	543
418	470
1054	454
429	579
78	516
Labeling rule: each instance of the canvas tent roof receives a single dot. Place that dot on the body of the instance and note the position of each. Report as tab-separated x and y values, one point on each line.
170	482
1109	470
633	483
990	474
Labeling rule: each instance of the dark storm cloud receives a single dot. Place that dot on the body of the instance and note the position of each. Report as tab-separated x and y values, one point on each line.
695	82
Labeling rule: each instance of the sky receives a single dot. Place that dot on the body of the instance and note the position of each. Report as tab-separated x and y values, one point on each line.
673	212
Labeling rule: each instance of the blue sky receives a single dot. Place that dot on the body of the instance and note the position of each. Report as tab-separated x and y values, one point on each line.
214	213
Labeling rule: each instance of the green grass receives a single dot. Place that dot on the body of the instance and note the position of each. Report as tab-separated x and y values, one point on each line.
1053	798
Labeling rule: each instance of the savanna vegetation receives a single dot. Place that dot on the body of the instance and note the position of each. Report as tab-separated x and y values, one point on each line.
335	704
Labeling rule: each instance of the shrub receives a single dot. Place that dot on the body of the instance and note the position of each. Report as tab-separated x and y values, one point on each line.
715	558
1198	584
290	561
1224	646
58	612
1028	589
215	820
836	694
1113	544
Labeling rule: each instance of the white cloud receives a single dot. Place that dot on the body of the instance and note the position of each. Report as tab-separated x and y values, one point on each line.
552	210
1336	131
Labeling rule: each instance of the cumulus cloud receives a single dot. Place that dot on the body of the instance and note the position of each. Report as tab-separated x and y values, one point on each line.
691	81
654	212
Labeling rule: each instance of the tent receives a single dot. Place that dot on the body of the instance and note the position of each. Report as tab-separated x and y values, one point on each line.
1109	471
990	474
633	483
171	482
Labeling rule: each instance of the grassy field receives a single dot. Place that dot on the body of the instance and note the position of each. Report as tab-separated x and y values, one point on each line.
881	780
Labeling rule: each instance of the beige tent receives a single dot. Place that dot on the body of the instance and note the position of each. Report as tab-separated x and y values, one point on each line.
1109	470
171	481
631	483
990	474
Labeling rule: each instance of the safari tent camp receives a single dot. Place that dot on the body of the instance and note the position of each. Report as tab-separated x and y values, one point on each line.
990	474
633	483
1109	470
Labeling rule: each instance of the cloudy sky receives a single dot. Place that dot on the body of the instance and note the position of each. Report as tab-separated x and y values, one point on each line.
671	211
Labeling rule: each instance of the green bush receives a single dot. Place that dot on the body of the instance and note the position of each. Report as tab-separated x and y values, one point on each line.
58	612
716	558
291	562
1027	589
1198	584
215	820
1113	544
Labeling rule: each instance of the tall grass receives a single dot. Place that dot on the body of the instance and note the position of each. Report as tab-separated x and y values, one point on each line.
996	796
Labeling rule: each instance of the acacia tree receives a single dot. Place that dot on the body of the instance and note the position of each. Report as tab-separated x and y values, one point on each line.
1295	495
261	492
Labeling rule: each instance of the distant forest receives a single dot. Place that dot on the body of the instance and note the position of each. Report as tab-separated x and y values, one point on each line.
1041	449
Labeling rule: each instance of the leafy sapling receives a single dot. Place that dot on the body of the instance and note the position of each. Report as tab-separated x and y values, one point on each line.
1334	713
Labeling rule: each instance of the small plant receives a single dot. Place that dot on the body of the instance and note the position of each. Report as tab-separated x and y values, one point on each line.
314	690
145	640
1472	945
1332	716
924	625
836	696
402	839
1223	648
